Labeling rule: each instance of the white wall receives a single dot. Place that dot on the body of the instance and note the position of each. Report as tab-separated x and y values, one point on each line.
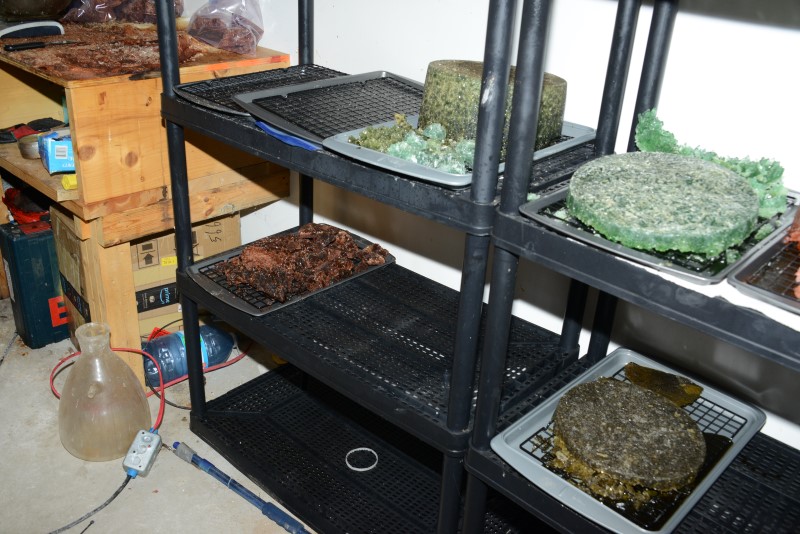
731	85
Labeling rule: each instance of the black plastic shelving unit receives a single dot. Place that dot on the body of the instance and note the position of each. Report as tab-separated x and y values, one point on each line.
402	347
757	490
423	374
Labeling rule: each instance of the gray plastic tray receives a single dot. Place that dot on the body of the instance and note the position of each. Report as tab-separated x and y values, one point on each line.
691	270
339	143
715	412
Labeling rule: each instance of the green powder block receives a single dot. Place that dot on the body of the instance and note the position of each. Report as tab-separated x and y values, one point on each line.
451	97
657	201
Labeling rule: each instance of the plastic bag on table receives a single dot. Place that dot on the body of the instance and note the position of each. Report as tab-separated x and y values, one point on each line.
234	25
121	10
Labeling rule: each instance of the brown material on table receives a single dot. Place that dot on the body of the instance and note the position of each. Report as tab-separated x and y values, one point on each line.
108	49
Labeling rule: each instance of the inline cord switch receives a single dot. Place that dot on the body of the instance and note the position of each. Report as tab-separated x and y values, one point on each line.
142	453
269	509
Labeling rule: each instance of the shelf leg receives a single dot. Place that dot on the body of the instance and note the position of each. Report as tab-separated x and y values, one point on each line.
573	318
475	506
305	19
601	328
616	76
306	199
450	494
655	61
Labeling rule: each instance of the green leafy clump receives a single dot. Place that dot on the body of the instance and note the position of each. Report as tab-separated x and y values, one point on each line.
427	146
380	138
765	175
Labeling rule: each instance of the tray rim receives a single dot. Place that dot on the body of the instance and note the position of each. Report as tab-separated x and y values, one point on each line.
507	445
765	252
339	143
246	99
531	210
233	300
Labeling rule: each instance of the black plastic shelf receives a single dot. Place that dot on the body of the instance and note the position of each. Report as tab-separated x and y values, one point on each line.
740	326
290	434
386	339
759	492
451	207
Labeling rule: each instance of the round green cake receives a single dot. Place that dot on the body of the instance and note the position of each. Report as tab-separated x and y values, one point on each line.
615	436
452	94
657	201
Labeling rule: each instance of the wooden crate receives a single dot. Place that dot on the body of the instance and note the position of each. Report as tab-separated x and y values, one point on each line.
119	138
102	284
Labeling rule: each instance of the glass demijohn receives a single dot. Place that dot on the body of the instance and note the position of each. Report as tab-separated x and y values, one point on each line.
102	404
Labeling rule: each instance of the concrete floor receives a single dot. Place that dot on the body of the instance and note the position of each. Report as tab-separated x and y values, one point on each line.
45	488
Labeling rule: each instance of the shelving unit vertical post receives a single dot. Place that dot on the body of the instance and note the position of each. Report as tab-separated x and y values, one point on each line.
466	326
533	36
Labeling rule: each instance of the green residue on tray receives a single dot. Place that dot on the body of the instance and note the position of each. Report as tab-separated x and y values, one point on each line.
427	146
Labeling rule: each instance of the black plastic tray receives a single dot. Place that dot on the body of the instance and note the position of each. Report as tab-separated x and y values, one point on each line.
248	299
317	110
769	274
550	210
218	93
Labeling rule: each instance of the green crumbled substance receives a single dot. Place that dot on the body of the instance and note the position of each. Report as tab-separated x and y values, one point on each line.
561	214
764	175
380	138
732	255
764	230
427	146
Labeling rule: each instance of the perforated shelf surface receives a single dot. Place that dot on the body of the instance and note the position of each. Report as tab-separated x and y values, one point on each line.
386	338
290	434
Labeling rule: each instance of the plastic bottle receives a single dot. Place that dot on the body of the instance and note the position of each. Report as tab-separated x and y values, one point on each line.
170	352
102	404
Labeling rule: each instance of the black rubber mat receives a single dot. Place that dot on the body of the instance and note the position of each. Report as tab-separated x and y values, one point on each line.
318	113
218	93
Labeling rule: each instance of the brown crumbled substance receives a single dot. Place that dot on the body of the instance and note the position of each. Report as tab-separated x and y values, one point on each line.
235	34
122	10
624	442
293	264
678	389
793	236
106	49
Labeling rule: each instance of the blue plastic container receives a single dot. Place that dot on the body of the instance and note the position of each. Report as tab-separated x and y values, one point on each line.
216	345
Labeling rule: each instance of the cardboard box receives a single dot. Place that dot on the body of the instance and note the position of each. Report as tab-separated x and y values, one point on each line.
154	261
55	149
130	285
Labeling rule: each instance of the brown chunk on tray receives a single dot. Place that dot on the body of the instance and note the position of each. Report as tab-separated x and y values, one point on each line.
678	389
615	436
289	265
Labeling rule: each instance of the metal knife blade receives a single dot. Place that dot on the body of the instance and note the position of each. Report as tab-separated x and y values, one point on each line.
35	44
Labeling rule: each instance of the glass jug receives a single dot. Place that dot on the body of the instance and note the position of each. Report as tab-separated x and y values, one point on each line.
103	404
